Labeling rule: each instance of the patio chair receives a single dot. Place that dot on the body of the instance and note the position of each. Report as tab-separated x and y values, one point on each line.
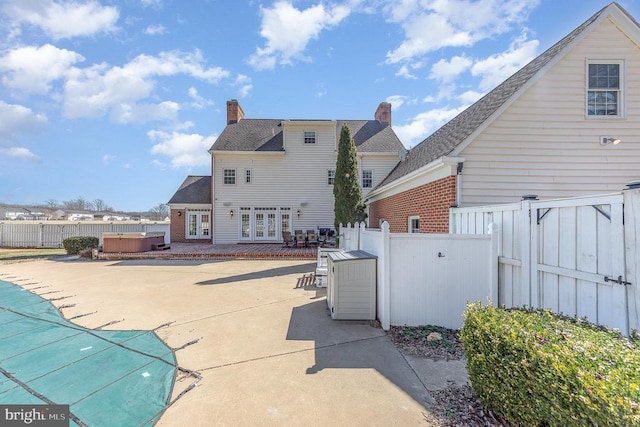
301	239
312	237
287	239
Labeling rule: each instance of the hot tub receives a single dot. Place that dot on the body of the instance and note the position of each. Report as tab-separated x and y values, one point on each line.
132	242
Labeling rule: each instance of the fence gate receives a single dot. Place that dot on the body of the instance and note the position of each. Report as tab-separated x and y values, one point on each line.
578	259
566	255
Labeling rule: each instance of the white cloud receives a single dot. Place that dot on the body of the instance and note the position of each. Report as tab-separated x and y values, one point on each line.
447	71
497	68
396	101
16	119
184	150
198	102
434	24
244	84
404	72
470	96
288	32
154	30
32	69
424	124
120	91
19	153
107	158
63	19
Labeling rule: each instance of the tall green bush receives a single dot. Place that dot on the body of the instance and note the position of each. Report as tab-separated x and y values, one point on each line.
348	204
73	245
537	368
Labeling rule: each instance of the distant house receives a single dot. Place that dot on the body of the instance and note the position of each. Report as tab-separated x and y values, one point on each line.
275	175
566	124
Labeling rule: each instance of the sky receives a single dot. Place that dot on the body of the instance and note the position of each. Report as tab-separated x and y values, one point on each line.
121	100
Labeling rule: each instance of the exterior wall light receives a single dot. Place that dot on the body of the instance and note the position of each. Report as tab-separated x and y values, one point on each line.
298	213
231	213
606	140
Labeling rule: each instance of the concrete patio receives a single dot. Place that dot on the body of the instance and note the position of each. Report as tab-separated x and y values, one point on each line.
268	352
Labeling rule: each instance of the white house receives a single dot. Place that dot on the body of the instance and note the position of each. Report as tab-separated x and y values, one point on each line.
566	124
275	175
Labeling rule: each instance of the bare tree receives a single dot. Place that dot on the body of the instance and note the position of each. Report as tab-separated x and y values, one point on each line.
160	212
101	206
51	204
79	204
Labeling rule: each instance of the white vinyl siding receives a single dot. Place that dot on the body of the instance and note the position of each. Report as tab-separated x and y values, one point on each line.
293	179
544	143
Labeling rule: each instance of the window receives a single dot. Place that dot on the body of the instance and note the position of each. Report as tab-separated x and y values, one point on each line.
247	176
331	177
310	137
414	224
229	176
367	179
604	89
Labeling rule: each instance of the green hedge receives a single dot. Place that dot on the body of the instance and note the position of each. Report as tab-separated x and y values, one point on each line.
73	245
538	368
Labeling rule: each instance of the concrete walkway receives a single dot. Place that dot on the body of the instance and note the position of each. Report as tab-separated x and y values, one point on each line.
268	353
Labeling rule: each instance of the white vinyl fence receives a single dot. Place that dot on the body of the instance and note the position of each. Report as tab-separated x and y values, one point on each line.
575	256
50	234
427	279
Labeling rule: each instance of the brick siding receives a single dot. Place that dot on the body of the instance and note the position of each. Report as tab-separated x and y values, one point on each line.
431	202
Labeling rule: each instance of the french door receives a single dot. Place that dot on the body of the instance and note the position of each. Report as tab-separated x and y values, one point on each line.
198	224
264	223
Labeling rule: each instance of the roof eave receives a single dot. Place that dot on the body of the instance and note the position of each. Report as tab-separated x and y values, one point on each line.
439	163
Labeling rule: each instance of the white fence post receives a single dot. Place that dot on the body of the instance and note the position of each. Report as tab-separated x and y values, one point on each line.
527	251
494	231
361	229
632	240
384	279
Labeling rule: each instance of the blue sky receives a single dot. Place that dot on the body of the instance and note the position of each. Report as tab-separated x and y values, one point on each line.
120	100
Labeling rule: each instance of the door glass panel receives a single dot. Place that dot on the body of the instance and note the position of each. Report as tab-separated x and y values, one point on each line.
204	224
271	224
284	222
193	225
259	225
246	221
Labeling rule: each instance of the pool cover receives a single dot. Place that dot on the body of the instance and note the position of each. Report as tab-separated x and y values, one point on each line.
108	378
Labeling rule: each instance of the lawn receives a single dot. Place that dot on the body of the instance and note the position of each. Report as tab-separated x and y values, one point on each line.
9	255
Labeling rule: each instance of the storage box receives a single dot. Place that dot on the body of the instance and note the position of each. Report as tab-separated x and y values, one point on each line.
351	288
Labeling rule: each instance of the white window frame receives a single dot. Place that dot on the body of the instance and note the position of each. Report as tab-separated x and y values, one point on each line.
331	176
410	227
309	136
370	178
248	176
226	174
620	90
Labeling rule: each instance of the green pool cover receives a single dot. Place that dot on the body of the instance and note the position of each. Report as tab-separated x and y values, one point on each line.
108	378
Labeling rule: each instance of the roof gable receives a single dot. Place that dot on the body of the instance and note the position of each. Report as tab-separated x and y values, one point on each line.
451	137
194	190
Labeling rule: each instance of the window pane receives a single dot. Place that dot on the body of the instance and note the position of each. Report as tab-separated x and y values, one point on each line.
245	225
309	137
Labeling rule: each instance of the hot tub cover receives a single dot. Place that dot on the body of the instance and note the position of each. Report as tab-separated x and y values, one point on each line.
109	378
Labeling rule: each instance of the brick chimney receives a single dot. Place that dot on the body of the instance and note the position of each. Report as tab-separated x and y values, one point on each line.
383	113
234	112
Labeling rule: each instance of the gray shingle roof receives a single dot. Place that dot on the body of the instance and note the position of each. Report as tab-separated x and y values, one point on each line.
194	190
266	135
443	141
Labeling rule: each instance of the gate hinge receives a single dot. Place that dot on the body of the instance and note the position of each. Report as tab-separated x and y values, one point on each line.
619	281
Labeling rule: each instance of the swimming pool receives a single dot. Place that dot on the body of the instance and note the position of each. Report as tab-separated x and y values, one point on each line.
108	378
